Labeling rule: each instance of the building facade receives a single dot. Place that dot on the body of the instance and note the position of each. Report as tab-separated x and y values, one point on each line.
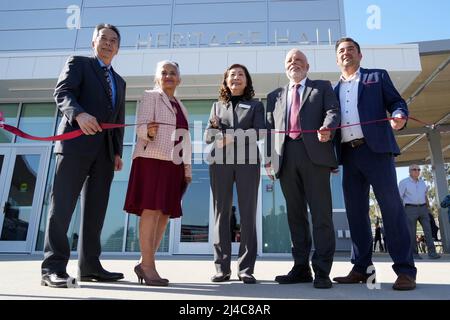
204	37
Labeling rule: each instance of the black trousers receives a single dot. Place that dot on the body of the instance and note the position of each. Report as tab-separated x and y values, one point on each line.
92	176
306	184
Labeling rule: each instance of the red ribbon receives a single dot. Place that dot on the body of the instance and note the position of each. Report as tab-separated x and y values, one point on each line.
77	133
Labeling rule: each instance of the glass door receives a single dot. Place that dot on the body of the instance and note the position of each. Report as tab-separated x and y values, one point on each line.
21	188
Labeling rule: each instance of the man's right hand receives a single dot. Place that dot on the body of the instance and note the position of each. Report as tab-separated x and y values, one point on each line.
88	124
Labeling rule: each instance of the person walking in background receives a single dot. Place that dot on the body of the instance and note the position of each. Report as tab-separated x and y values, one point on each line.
236	160
377	238
88	93
304	166
159	174
367	156
413	192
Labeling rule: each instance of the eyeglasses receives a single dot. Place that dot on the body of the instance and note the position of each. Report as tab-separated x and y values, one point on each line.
415	169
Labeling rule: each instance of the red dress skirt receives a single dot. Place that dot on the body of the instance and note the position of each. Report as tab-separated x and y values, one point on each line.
157	184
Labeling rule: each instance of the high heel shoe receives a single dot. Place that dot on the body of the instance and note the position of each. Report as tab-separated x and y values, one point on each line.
141	279
149	282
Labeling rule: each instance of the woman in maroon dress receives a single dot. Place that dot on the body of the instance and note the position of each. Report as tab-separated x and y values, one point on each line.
161	166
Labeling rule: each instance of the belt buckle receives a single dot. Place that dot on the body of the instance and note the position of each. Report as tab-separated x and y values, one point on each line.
356	143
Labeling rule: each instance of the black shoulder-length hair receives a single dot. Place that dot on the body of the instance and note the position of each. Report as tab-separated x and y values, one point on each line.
225	93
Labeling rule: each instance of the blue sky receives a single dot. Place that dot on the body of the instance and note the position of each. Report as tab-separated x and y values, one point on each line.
397	21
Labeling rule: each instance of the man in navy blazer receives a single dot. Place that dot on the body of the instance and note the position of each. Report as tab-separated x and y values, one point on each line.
88	92
367	153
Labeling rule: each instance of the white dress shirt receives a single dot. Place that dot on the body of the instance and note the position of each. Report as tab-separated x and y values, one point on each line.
348	97
412	191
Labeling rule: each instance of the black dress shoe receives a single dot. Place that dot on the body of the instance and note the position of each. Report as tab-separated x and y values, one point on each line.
322	283
57	280
296	275
221	277
247	278
101	276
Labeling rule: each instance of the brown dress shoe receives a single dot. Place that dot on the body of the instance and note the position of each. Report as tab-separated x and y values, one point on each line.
353	277
404	282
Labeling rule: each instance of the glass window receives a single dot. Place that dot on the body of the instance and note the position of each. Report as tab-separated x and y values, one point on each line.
195	219
130	117
336	190
275	228
74	227
46	204
113	228
276	237
37	119
132	244
198	112
10	116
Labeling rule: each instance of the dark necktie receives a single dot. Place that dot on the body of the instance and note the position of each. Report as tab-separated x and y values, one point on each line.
108	80
294	121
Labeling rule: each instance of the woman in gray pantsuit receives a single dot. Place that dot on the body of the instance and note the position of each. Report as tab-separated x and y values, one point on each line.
233	129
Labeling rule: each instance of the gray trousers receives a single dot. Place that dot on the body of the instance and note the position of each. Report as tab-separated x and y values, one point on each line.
222	178
421	214
306	184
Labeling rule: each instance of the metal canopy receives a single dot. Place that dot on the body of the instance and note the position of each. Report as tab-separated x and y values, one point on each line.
428	99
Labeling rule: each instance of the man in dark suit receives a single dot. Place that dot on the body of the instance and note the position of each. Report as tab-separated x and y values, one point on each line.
88	92
367	155
302	161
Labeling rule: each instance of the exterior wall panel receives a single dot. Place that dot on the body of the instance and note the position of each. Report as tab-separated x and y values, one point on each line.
161	24
127	16
24	40
10	5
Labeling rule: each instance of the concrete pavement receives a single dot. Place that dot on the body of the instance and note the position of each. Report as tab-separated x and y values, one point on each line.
189	280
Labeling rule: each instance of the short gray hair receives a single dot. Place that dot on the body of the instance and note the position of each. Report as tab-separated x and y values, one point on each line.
101	26
161	65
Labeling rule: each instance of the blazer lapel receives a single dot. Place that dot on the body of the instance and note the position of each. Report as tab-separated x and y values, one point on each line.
279	114
226	113
337	88
119	90
100	75
166	100
306	93
362	79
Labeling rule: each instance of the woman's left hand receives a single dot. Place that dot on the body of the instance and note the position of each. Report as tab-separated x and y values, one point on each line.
188	179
